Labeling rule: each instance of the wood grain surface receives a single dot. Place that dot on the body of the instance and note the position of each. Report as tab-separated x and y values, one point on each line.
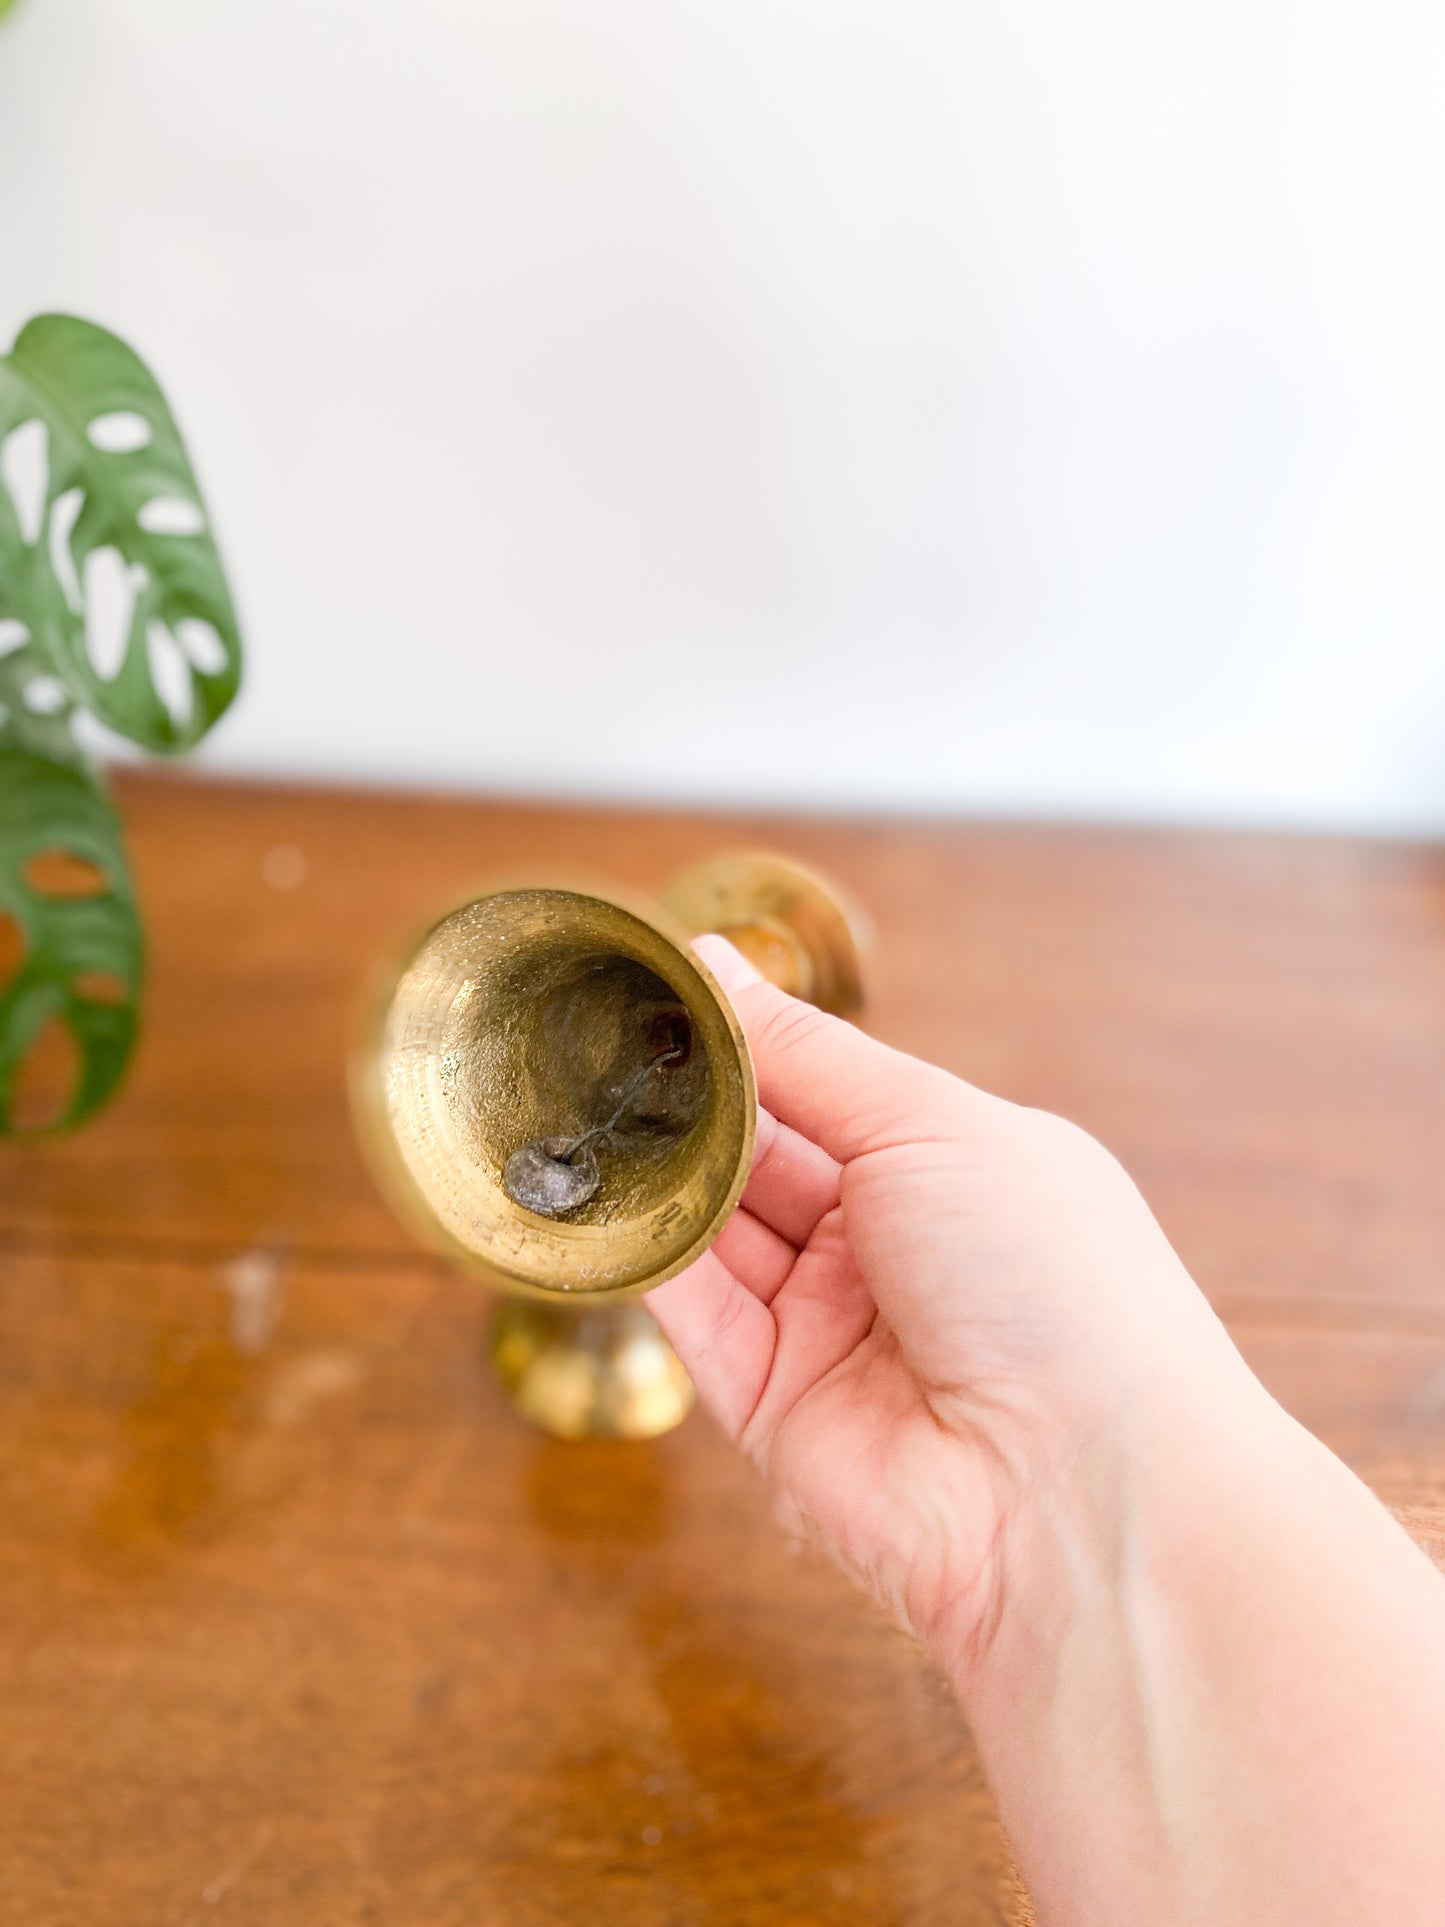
299	1625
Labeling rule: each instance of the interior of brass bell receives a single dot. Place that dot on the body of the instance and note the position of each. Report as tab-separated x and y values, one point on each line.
535	1020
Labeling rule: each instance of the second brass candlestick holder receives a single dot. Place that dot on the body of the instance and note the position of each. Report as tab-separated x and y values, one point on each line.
554	1090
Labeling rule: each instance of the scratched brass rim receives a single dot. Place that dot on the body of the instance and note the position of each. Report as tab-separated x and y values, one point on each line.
453	1052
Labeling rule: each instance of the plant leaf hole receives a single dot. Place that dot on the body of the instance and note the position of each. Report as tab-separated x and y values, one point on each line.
170	515
111	588
121	433
61	873
170	673
45	696
46	1079
63	518
99	987
202	645
12	949
25	471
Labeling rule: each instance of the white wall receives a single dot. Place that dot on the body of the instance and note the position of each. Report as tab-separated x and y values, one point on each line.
1034	406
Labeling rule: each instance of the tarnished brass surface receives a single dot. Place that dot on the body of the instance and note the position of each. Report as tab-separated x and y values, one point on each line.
795	926
521	1016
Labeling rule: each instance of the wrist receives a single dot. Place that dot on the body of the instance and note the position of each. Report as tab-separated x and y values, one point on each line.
1205	1642
1115	1513
1071	1680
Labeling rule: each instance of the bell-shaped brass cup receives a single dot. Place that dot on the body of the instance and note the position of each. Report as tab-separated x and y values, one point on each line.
573	1036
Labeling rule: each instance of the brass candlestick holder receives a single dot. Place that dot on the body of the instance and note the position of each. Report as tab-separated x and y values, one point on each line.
552	1088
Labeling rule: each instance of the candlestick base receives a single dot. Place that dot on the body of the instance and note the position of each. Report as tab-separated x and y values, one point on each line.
590	1371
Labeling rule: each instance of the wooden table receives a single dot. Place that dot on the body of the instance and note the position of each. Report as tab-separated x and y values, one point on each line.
298	1625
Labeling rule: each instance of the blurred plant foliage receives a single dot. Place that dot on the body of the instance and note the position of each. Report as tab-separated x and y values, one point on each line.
112	601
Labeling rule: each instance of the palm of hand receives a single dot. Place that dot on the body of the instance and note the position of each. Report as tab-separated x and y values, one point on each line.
854	1421
860	1447
927	1297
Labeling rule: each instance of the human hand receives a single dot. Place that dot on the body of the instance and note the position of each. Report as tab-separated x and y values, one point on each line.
935	1315
1204	1668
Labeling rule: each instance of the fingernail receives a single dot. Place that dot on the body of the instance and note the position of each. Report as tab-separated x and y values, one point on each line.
729	966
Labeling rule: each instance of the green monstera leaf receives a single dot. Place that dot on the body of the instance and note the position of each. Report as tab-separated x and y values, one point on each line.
35	706
106	556
112	600
73	935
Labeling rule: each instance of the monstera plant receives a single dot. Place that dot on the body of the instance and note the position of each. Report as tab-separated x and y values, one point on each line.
112	601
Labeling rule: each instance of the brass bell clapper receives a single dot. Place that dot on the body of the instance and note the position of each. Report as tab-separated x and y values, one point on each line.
553	1089
550	1175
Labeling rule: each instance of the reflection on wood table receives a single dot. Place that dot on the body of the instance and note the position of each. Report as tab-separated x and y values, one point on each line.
298	1624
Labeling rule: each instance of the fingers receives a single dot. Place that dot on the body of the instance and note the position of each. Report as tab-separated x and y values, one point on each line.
755	1255
843	1090
824	1314
724	1335
751	1365
793	1184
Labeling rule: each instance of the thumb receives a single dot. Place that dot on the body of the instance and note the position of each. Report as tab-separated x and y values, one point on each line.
825	1078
